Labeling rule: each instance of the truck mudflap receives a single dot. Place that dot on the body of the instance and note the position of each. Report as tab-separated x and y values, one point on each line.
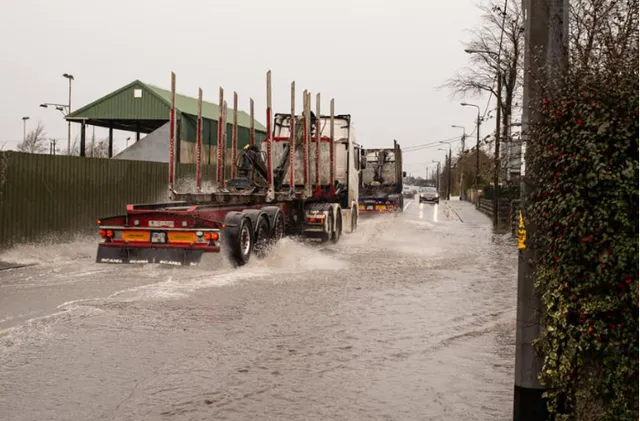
176	256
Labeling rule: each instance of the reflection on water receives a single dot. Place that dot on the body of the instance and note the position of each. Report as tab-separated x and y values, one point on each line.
429	208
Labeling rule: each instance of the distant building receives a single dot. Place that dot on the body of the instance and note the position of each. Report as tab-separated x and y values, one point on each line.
144	109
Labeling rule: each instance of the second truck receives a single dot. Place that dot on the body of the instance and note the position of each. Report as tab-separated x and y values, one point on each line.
381	180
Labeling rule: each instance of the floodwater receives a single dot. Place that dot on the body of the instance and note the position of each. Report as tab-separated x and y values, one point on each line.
410	318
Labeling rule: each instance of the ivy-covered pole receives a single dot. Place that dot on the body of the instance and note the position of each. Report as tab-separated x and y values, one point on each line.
544	59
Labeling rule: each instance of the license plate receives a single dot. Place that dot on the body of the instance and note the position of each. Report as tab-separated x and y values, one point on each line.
136	236
361	207
158	237
167	224
182	237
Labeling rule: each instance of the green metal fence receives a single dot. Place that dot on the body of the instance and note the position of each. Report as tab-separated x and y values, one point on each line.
45	196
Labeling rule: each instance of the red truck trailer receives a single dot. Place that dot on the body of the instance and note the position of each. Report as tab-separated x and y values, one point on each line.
302	181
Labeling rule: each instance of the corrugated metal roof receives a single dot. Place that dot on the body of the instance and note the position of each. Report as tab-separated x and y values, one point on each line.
152	103
189	105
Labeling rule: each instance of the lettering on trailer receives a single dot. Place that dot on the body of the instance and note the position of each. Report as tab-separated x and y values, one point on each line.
522	234
108	260
168	224
138	261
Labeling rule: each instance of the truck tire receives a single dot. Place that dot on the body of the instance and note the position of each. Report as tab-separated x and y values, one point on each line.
276	222
328	235
262	237
337	233
354	219
237	238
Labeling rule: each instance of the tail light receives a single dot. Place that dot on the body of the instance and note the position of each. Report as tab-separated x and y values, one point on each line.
211	236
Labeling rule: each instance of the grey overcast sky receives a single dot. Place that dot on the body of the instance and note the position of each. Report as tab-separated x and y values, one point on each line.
380	60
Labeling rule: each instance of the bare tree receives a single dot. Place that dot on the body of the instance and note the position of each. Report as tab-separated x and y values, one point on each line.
602	32
94	149
35	141
484	67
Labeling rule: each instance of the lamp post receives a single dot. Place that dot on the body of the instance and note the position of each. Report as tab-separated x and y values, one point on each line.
24	128
437	174
478	121
69	78
448	170
464	136
496	175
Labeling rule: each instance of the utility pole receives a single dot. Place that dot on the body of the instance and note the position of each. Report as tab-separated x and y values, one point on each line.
478	152
546	26
496	175
449	176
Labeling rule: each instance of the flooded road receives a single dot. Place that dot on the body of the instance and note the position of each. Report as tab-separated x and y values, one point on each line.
410	318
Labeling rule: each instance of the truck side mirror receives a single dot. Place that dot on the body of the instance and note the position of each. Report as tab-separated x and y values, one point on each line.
404	174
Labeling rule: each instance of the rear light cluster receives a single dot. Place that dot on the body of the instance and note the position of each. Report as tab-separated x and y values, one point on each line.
208	236
106	233
316	220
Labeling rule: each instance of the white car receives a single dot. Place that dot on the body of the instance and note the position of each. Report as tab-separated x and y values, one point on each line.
429	194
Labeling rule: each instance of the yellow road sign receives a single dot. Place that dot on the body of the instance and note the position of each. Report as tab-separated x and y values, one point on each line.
522	233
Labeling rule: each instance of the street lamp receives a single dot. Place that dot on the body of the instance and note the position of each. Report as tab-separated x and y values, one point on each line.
70	78
448	169
464	136
60	107
478	121
24	128
437	174
496	199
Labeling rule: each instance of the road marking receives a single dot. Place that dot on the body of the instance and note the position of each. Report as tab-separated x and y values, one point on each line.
407	205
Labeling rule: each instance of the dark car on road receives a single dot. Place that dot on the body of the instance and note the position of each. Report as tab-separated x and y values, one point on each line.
429	194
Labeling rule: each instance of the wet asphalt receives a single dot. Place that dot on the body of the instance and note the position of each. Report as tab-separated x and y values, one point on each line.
410	318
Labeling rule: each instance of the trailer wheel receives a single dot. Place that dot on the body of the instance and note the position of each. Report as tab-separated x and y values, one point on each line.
238	240
328	235
354	219
278	228
262	239
338	232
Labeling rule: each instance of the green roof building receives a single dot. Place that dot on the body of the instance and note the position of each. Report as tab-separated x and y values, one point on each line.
143	108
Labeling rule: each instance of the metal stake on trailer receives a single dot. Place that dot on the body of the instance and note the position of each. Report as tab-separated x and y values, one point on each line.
199	143
234	138
305	142
318	191
292	140
252	130
224	144
219	167
172	132
332	160
269	140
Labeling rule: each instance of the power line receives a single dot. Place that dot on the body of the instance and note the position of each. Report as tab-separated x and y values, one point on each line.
428	145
